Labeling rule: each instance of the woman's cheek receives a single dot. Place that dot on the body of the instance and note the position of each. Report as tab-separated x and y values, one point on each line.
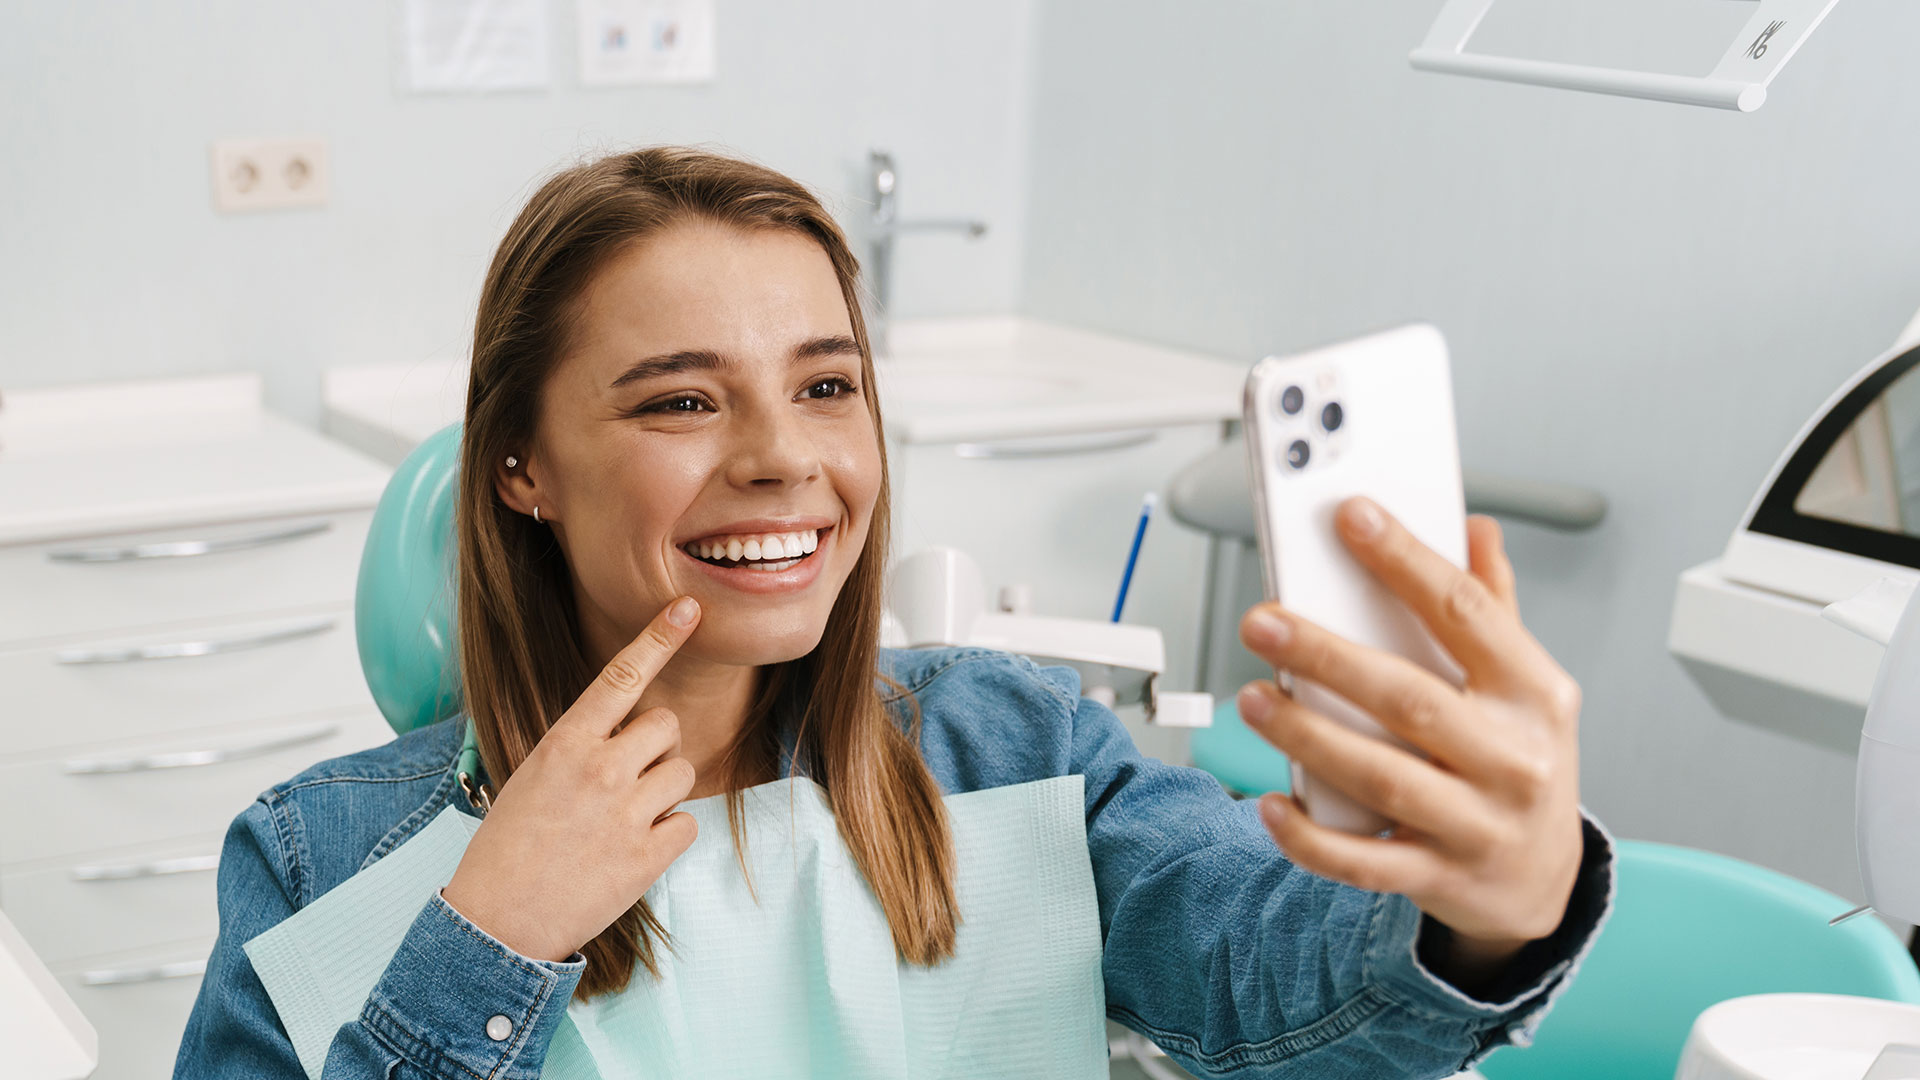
862	467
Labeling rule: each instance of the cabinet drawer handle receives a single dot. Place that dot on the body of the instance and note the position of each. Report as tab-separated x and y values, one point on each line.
185	864
173	649
175	549
179	969
1029	448
185	759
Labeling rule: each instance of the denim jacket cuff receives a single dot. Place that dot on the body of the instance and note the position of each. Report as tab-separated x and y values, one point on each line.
459	1004
1519	1000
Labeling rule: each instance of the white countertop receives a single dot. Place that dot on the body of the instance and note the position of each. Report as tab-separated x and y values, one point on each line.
119	457
956	380
947	380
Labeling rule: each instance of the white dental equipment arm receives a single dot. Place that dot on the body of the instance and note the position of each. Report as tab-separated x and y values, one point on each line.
1771	36
937	597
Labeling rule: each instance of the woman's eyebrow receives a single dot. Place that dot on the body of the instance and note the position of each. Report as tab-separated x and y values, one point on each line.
686	360
670	364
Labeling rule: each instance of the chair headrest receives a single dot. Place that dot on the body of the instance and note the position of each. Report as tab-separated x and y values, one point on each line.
403	604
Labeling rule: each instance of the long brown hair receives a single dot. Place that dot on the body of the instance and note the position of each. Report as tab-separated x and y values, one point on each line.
521	659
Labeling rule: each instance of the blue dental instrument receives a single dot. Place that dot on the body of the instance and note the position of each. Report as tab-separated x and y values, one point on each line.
1139	533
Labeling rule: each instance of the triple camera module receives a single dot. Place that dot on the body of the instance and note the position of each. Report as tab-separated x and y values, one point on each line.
1294	407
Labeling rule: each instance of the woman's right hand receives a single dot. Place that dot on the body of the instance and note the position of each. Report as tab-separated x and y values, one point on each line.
585	825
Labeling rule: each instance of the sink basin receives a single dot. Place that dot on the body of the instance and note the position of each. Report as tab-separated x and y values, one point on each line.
1795	1037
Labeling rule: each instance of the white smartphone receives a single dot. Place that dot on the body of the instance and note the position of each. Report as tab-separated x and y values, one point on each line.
1370	417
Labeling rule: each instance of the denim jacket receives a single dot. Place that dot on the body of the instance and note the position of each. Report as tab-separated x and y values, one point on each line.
1216	947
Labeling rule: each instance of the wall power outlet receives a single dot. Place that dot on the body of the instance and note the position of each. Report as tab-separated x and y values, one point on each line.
269	174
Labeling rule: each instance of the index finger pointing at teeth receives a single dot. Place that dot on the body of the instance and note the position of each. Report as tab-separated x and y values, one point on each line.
613	692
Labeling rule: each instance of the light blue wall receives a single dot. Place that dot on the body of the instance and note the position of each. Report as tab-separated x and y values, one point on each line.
1642	298
113	263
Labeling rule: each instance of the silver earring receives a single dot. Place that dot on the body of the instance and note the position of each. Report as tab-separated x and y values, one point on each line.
512	461
536	514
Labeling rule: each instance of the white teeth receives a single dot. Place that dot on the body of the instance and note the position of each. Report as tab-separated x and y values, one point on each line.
761	550
782	565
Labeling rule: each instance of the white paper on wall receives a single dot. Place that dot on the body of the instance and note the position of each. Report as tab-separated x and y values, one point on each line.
453	45
623	42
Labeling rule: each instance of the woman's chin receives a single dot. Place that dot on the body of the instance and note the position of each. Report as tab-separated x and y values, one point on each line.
756	646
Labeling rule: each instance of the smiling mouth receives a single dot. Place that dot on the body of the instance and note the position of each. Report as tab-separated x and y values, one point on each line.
763	564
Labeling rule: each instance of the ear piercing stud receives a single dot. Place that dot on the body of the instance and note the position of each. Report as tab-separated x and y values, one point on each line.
511	462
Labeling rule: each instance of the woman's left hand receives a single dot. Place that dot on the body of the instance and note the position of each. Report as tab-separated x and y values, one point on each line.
1487	836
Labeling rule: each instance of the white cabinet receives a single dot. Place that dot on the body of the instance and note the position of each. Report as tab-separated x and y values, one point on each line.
176	635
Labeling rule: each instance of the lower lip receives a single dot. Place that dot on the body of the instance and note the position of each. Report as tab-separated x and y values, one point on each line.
746	579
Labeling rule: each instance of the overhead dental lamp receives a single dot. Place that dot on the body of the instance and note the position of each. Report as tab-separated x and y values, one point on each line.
1774	32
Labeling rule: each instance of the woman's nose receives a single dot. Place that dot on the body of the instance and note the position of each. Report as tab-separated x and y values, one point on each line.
773	448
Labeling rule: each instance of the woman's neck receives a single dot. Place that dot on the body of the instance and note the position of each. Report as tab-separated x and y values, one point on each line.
712	702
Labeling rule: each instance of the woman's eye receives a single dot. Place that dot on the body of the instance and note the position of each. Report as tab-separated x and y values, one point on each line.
676	403
845	388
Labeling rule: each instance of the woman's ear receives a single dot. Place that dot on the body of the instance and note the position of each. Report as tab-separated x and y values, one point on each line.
514	482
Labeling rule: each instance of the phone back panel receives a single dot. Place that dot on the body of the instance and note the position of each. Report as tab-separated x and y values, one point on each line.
1393	440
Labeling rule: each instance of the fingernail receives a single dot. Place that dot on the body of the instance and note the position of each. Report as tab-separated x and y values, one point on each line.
1272	628
1364	519
1253	704
683	611
1273	808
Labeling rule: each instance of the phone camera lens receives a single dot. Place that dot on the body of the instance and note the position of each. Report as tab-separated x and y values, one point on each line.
1298	453
1291	399
1332	416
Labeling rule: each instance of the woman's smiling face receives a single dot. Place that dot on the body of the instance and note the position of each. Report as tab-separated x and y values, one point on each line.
712	395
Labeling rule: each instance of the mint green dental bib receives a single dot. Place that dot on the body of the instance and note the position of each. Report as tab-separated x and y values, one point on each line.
805	982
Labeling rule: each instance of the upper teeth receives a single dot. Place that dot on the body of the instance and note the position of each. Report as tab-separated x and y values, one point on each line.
759	546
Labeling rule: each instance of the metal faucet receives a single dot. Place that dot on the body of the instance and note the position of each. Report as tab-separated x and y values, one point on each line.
884	226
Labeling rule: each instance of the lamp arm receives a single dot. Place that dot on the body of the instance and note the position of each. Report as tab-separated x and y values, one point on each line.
1769	39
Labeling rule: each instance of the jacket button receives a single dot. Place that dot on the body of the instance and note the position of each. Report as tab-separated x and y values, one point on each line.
499	1028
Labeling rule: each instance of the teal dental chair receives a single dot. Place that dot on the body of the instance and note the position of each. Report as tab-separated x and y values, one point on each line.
1690	929
403	603
1239	759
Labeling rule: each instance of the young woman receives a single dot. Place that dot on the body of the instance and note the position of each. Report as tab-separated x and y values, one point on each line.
672	531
